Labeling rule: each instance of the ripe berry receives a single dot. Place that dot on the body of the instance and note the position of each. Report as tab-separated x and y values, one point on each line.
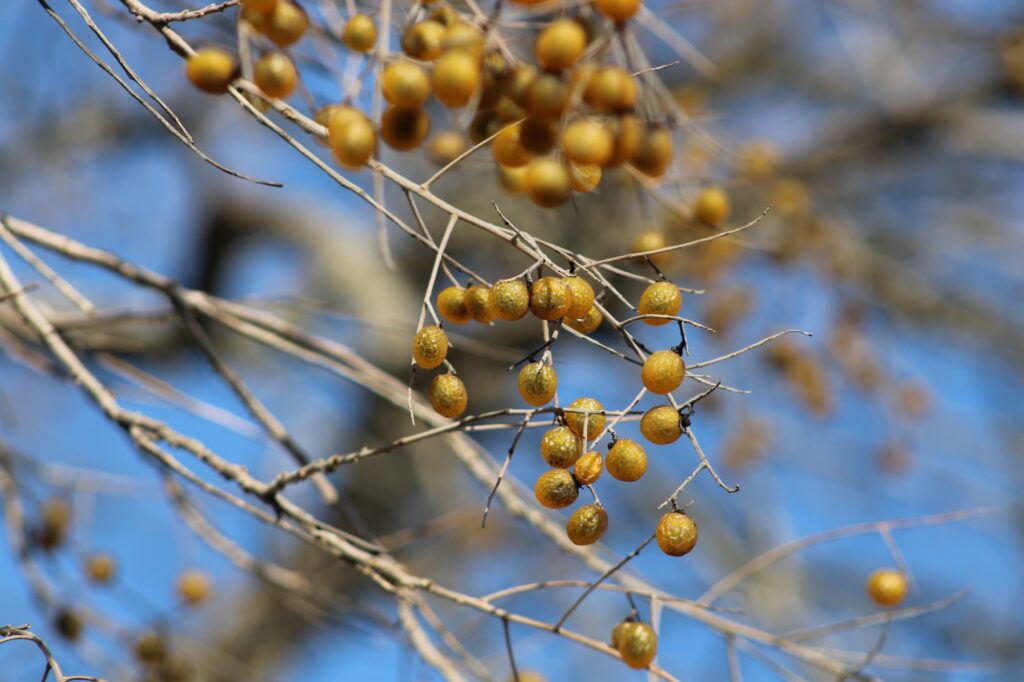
887	587
286	24
676	534
611	89
588	141
478	302
457	77
663	371
547	183
660	425
629	134
587	524
660	298
405	85
430	346
584	178
360	33
587	468
593	422
466	38
404	129
638	644
617	10
654	154
626	460
151	649
194	587
712	206
352	138
560	45
538	383
556	489
650	240
560	447
275	75
588	323
68	624
538	135
448	395
510	299
447	146
211	69
451	305
508	149
99	568
582	296
516	84
548	96
512	179
551	297
424	40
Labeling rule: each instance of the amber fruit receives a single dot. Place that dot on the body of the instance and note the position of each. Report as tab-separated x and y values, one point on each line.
611	89
457	78
587	524
654	153
660	425
275	75
712	206
560	45
513	179
588	323
626	460
478	302
286	24
617	10
556	489
429	346
584	178
404	129
887	587
211	69
516	84
560	447
676	534
352	139
447	146
629	133
448	395
424	40
510	299
151	649
508	149
587	468
100	568
660	298
360	33
506	110
663	371
593	422
548	96
651	240
194	587
582	296
463	37
405	85
537	383
551	296
538	135
638	645
587	141
547	183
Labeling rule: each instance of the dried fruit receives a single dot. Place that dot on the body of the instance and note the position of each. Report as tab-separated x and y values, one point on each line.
663	371
626	460
593	422
560	447
660	298
556	489
430	346
676	534
448	395
660	425
587	524
537	383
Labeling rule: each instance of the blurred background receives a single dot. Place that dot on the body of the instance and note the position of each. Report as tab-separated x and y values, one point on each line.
889	136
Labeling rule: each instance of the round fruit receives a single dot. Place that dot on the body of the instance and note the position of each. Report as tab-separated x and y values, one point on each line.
660	298
404	129
611	89
517	83
556	489
560	45
360	33
547	183
451	305
538	383
478	302
447	146
588	323
638	645
663	371
538	135
587	524
593	422
457	77
551	296
587	468
626	460
510	299
584	178
582	296
560	447
654	154
887	587
512	179
508	149
617	10
286	24
100	568
424	40
68	624
712	206
211	69
194	587
587	141
660	425
651	240
448	395
676	534
275	75
151	649
352	139
548	96
465	38
629	133
405	85
430	347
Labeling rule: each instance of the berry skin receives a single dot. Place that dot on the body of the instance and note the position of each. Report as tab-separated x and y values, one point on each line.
100	568
663	371
405	85
548	97
660	425
538	383
508	149
651	240
676	534
638	644
626	460
551	298
448	395
712	206
478	302
430	347
887	587
587	524
457	77
352	139
584	178
466	38
556	489
512	179
404	129
424	40
275	75
211	69
360	33
587	468
560	447
538	135
446	146
629	134
617	10
588	142
451	305
194	587
582	296
560	45
588	323
286	24
594	422
611	89
654	153
510	299
660	298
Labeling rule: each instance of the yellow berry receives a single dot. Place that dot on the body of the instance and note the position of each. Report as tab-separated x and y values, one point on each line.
548	183
587	524
538	135
451	305
588	141
508	149
353	139
424	40
551	298
626	460
448	395
560	447
638	644
512	179
611	89
430	347
478	302
194	587
151	649
556	489
465	38
629	134
663	371
676	534
516	83
360	33
560	45
582	296
510	299
285	24
100	568
660	425
593	422
584	178
712	206
654	153
538	383
548	96
587	468
405	85
404	129
617	10
588	323
660	298
447	146
211	69
887	587
275	75
652	240
457	77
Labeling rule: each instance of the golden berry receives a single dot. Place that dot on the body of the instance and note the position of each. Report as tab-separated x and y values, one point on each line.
457	77
626	460
887	587
285	24
538	135
588	141
537	383
447	146
660	425
516	84
587	524
478	302
582	296
593	422
556	489
448	395
464	37
360	33
151	649
663	371
512	179
584	178
560	447
588	323
676	534
560	45
510	299
587	468
660	298
100	568
652	240
712	206
638	644
211	69
430	346
551	298
424	40
629	134
611	89
548	96
405	85
617	10
508	149
451	305
654	153
404	129
352	137
194	587
275	75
